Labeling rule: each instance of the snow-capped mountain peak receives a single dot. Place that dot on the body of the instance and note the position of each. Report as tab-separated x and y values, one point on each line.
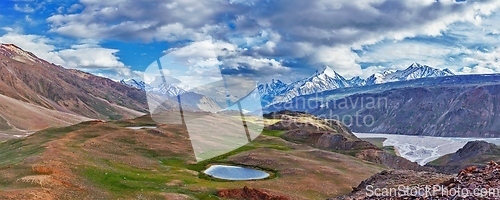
275	84
134	83
329	72
329	79
417	66
356	81
417	70
161	88
167	89
414	71
269	91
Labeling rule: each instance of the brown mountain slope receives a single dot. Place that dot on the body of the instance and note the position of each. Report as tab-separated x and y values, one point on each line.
16	116
27	78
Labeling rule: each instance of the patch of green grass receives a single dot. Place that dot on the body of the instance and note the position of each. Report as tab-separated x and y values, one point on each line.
126	140
118	181
379	142
123	181
16	150
376	141
174	162
55	132
151	153
440	161
140	121
273	133
390	149
200	166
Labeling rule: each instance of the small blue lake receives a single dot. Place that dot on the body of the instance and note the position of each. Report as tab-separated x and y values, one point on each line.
235	173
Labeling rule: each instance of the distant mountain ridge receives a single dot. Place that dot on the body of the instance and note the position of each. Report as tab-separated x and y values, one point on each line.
168	92
328	79
162	88
414	71
141	85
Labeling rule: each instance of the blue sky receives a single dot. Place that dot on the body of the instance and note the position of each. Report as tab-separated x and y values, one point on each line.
262	39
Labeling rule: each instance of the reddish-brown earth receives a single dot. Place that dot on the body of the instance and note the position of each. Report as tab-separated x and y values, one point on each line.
250	194
468	184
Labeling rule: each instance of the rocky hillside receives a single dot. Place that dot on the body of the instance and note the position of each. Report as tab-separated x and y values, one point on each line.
250	193
447	111
471	178
333	135
469	183
475	153
31	80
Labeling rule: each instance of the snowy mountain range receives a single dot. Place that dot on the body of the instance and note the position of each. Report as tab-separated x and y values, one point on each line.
161	88
328	79
168	92
414	71
320	81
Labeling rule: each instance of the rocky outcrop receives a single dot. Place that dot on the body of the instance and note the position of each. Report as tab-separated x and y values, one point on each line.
467	184
476	153
284	113
326	140
473	178
393	180
290	120
293	125
390	160
250	194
